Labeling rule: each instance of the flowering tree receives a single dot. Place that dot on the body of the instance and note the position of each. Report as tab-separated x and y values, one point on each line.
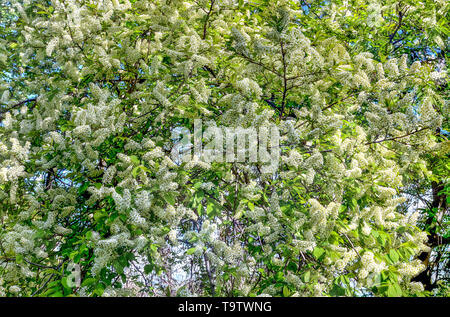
94	203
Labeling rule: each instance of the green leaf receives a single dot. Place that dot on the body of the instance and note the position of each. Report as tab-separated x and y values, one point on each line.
286	291
393	255
88	281
98	215
135	171
307	276
99	290
212	209
169	199
83	188
19	258
135	159
318	252
354	203
190	251
148	268
337	290
51	291
118	266
89	235
394	290
64	283
197	185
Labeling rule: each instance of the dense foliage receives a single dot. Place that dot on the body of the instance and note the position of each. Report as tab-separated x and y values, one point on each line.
93	91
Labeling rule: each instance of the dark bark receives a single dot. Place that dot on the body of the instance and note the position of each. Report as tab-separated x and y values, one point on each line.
439	204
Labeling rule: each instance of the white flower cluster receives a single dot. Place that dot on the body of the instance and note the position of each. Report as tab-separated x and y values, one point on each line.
416	287
370	265
137	219
303	245
411	269
249	87
109	175
20	240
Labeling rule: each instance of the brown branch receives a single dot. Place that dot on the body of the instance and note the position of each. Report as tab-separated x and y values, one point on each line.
283	59
397	137
29	262
399	24
18	105
49	279
338	101
272	70
208	15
